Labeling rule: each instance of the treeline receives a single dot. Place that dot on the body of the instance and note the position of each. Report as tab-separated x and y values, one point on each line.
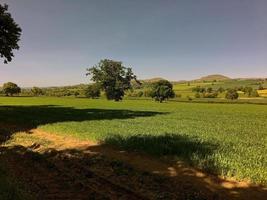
12	89
230	93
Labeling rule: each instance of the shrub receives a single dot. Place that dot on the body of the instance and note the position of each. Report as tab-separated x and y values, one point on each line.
92	91
231	94
162	90
220	90
261	87
178	95
197	95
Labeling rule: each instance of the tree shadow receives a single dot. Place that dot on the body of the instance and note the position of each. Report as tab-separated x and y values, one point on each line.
24	118
104	172
176	146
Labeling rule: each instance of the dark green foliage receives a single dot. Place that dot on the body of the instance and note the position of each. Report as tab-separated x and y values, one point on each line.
9	89
197	95
162	90
112	77
92	91
76	93
189	98
37	91
220	90
261	87
199	89
209	90
75	90
231	94
247	90
9	34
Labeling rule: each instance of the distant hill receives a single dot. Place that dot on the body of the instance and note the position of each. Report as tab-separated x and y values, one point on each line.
152	80
217	77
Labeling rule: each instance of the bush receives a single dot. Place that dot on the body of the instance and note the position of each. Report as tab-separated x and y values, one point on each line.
140	93
199	89
209	90
231	94
197	95
92	91
162	90
261	87
178	95
189	98
220	90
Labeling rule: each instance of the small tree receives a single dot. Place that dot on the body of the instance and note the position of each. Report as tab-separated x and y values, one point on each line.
209	90
10	89
92	91
247	90
231	94
162	90
112	77
37	91
76	93
9	34
197	95
261	87
220	90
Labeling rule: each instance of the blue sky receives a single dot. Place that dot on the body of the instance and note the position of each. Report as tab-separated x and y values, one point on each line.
176	40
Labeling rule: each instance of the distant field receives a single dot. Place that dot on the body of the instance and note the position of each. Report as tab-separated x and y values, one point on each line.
225	139
263	93
185	89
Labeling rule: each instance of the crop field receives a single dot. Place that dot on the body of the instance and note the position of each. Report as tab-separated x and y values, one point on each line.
185	89
225	139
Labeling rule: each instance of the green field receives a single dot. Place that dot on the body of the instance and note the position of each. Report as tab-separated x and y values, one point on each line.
224	139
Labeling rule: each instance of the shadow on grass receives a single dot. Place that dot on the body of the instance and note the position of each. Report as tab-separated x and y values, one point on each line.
181	147
103	172
24	118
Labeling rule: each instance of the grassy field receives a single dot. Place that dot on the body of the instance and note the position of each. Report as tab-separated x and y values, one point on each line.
224	139
185	89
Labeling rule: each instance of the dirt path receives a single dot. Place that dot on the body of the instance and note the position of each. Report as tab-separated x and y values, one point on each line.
55	167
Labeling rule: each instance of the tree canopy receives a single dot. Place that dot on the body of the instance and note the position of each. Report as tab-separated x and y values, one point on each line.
37	91
231	94
9	34
112	77
162	90
9	89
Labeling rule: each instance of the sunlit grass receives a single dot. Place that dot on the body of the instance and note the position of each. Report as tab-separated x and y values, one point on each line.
226	139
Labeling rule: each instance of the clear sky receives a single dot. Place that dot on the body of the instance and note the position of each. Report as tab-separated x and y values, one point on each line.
177	40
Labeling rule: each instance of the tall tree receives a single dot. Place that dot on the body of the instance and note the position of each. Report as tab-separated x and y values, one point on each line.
10	89
9	34
112	77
